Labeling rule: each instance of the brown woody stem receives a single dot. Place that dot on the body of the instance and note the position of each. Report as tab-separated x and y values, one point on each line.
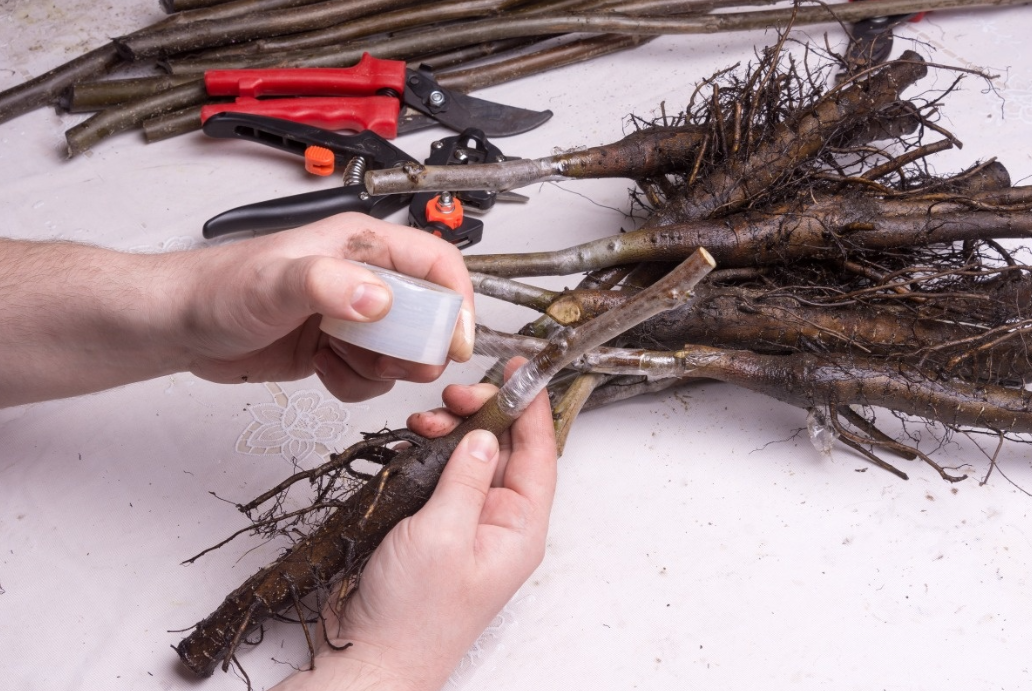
537	25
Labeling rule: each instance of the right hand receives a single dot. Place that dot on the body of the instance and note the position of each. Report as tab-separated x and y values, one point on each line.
254	306
442	575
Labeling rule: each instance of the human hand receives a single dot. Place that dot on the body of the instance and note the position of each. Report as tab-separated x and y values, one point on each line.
441	576
253	307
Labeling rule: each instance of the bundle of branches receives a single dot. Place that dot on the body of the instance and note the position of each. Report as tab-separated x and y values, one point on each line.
851	278
453	37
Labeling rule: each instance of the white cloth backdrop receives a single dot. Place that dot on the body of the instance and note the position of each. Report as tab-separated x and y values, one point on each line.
698	539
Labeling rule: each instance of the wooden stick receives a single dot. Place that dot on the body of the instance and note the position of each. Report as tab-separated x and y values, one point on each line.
508	27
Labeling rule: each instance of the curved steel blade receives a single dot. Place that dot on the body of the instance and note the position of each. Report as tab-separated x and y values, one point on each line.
458	111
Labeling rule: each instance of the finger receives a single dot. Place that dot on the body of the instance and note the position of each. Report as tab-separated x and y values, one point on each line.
360	360
414	253
341	380
460	402
333	287
433	423
366	239
387	367
461	493
528	479
377	367
531	467
461	347
465	400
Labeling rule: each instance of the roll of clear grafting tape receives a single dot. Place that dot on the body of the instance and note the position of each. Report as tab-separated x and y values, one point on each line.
418	327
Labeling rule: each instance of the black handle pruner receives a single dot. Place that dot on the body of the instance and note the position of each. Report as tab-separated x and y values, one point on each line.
296	138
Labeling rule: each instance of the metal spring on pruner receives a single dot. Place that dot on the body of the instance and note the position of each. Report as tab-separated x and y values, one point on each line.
354	171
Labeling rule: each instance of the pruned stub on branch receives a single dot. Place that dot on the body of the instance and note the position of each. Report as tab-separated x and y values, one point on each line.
851	278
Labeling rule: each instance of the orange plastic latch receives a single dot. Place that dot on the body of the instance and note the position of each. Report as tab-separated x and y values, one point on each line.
447	211
319	160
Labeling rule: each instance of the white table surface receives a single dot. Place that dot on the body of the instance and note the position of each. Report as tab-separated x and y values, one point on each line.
698	540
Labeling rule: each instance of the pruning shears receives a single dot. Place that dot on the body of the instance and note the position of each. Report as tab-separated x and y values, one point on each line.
871	39
367	96
440	214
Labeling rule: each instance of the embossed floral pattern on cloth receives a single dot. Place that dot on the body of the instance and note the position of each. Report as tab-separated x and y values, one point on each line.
478	656
294	426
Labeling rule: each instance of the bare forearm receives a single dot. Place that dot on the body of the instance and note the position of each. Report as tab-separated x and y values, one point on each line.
76	319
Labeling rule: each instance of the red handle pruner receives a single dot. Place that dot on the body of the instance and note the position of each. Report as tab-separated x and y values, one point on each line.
366	96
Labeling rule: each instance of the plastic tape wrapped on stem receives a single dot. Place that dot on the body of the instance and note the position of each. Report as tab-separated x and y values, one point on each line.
822	432
516	394
527	382
566	344
524	384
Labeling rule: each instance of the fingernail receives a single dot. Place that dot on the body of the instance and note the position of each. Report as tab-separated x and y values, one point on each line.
386	368
469	328
371	300
319	363
466	333
482	445
339	347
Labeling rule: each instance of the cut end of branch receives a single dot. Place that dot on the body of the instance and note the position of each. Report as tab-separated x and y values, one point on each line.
565	311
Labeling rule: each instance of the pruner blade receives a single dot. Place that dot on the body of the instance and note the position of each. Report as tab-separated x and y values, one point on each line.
434	104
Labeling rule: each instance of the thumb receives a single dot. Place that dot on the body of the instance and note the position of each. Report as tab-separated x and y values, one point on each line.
461	493
336	288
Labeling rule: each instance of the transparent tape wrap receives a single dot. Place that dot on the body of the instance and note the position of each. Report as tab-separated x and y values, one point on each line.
525	383
418	327
822	432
